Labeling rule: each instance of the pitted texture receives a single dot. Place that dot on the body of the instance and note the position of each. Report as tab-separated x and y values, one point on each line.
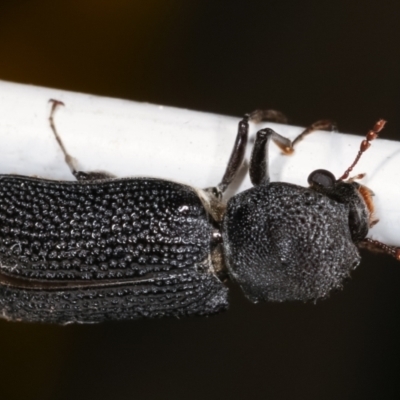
285	242
101	230
112	229
179	294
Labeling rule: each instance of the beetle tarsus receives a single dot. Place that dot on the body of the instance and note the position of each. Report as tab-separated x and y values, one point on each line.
71	162
68	159
321	125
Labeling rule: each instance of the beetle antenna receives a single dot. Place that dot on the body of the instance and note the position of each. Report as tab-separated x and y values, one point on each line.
375	245
365	144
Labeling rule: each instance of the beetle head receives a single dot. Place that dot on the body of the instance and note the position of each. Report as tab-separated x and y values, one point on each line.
357	197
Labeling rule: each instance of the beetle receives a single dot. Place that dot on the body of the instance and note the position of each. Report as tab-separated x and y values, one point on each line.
104	248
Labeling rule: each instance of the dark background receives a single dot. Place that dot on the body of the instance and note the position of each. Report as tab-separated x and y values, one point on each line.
310	59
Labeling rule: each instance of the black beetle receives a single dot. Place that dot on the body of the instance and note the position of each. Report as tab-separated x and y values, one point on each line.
103	248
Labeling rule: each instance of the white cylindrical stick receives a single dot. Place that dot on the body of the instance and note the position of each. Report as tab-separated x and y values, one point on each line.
137	139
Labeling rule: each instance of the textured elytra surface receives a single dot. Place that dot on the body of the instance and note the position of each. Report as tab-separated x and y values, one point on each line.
141	230
180	294
286	242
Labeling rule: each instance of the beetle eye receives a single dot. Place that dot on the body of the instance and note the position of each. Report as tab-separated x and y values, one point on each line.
321	177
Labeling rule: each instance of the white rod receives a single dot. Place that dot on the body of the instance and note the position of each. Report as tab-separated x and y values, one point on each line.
128	138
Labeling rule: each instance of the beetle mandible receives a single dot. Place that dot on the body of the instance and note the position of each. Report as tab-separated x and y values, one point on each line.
105	248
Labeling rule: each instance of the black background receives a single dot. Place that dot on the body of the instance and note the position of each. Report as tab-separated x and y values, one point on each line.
310	59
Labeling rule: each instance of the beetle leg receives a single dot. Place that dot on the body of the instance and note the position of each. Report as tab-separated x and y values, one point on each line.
278	117
321	125
92	176
259	172
237	155
268	115
68	159
239	148
79	175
